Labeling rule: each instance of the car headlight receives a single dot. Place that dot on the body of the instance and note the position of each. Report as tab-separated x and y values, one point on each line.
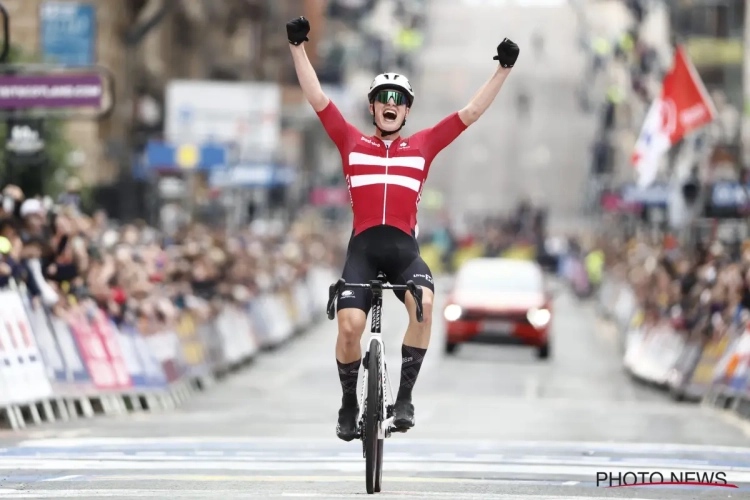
539	317
452	312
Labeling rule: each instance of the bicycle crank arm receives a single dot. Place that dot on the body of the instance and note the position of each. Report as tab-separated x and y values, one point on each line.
386	427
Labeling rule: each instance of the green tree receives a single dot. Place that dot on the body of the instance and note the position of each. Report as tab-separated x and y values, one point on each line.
49	174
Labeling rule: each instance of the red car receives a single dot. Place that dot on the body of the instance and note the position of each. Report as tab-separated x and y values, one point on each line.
499	301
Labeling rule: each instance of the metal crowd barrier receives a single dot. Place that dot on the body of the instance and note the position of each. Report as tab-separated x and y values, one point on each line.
81	363
691	366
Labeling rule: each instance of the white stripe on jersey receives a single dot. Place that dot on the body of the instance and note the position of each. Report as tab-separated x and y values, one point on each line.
399	180
361	159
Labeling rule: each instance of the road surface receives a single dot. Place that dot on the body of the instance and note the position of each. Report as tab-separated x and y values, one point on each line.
492	423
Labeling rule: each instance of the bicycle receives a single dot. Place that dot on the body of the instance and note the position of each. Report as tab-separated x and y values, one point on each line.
375	421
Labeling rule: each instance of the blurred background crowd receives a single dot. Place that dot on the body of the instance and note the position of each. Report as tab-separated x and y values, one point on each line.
703	290
215	190
138	275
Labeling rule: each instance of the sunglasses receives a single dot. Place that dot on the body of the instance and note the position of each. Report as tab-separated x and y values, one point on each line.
386	95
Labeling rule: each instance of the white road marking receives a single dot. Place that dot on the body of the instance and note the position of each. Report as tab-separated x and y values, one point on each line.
445	494
89	493
734	474
300	479
402	442
62	478
438	459
440	494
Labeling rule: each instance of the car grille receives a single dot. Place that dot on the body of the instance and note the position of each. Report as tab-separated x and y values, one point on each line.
515	317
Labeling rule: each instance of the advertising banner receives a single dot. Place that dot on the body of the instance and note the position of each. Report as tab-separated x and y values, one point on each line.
47	345
107	332
93	352
50	91
18	331
166	348
703	375
192	348
75	367
144	369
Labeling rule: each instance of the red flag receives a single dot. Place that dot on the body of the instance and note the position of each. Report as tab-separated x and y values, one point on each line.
686	104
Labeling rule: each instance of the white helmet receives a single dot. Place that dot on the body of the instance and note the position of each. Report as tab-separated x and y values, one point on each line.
392	81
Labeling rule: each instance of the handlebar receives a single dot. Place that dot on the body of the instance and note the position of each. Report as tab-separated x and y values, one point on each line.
412	288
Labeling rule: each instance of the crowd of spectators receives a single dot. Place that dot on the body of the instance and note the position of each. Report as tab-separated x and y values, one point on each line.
65	257
703	289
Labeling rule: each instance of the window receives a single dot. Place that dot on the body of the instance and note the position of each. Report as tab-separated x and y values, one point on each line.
501	276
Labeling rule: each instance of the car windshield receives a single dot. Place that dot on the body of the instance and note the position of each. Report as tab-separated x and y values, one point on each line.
500	276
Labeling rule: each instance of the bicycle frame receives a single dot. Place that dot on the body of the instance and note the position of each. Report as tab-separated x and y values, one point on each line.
377	306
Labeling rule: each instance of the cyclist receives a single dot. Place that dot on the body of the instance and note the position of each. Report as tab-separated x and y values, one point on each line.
385	174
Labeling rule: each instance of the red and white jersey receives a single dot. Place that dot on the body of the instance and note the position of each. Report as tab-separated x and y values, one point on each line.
386	181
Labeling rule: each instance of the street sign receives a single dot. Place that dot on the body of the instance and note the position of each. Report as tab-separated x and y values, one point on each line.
172	157
246	115
68	33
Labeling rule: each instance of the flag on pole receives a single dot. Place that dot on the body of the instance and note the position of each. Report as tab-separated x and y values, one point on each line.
651	145
683	107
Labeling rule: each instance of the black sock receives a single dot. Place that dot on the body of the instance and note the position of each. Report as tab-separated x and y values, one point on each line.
411	362
348	375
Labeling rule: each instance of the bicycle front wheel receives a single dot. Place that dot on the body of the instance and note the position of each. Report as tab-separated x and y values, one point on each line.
379	467
373	412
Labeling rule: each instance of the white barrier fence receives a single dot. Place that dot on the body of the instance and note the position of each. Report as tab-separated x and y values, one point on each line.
712	366
80	362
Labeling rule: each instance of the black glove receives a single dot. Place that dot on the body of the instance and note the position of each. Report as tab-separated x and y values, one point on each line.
507	53
297	30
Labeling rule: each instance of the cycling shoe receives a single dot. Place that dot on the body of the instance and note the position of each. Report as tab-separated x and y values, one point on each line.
346	429
403	416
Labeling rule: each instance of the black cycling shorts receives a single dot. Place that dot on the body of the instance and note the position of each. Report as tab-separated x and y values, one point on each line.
386	249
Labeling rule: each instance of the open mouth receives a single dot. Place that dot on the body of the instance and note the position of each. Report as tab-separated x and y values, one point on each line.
390	116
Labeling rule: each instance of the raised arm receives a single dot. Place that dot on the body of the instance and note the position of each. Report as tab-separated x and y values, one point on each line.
507	53
484	97
297	30
308	79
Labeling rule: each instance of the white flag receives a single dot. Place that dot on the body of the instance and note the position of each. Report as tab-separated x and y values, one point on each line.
651	145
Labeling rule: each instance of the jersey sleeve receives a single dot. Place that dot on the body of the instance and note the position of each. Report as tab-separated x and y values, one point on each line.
437	138
339	130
